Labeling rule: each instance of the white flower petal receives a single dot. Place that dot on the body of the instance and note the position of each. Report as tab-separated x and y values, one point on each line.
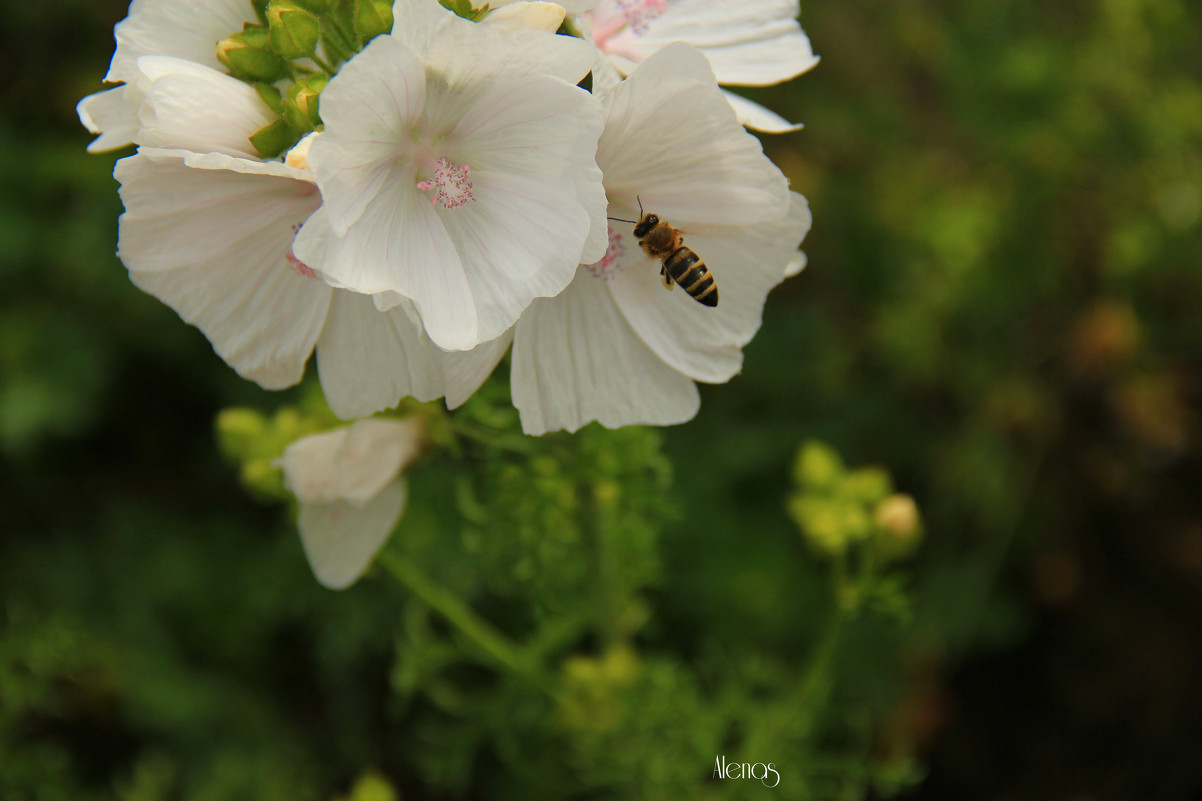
341	539
796	264
352	463
701	342
571	6
758	118
748	42
213	245
535	16
576	360
369	108
188	29
400	245
113	115
368	360
465	370
196	108
658	121
443	39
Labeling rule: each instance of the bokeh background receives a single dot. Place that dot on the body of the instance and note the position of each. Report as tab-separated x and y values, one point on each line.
1003	306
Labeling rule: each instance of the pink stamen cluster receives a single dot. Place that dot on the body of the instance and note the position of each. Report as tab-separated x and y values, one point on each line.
452	185
609	266
639	13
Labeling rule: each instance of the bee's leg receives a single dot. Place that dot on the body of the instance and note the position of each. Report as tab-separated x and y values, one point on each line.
667	279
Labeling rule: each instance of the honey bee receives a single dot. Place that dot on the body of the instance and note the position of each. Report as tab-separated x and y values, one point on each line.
679	264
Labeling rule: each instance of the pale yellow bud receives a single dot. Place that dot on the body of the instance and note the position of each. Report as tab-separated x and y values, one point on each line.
897	515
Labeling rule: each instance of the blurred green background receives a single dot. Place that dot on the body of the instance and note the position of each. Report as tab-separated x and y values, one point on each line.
1003	306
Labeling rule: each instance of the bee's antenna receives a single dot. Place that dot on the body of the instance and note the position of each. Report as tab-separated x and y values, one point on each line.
632	222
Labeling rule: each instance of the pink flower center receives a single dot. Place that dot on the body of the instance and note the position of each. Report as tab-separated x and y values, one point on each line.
609	266
450	183
611	17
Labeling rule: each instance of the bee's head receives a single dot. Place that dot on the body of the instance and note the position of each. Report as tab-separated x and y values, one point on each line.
645	225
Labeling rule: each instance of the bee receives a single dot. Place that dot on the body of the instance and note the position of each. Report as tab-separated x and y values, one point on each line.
679	264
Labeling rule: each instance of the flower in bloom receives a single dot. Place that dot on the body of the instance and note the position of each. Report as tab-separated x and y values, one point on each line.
208	229
351	492
185	29
747	42
457	170
618	347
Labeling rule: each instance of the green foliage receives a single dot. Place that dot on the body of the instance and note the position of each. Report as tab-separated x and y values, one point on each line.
1001	306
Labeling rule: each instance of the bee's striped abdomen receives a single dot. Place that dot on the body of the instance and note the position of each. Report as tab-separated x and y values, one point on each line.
688	270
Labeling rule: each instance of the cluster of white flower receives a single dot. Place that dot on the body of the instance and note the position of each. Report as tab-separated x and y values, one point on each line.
412	187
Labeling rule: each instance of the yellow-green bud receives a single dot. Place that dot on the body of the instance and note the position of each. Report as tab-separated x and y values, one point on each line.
867	485
293	30
249	57
272	140
271	96
238	430
372	18
817	466
463	8
301	106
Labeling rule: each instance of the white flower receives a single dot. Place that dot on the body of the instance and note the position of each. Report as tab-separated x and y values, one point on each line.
747	42
457	170
351	494
522	15
187	29
617	346
210	234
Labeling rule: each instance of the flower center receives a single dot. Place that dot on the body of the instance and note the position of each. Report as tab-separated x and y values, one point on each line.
451	184
611	18
639	13
609	266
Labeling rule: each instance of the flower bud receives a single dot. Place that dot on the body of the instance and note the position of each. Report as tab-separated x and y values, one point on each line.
300	107
271	96
817	465
249	57
372	17
272	140
897	516
293	30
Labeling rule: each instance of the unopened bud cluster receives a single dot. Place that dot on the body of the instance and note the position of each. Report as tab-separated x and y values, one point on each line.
837	508
292	52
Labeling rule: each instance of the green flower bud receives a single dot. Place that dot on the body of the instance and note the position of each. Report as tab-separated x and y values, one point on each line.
316	6
238	430
372	17
293	30
817	466
463	8
271	96
274	139
867	485
249	57
300	107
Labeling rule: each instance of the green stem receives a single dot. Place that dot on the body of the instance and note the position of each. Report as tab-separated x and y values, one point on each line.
605	589
325	65
816	672
521	445
498	648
